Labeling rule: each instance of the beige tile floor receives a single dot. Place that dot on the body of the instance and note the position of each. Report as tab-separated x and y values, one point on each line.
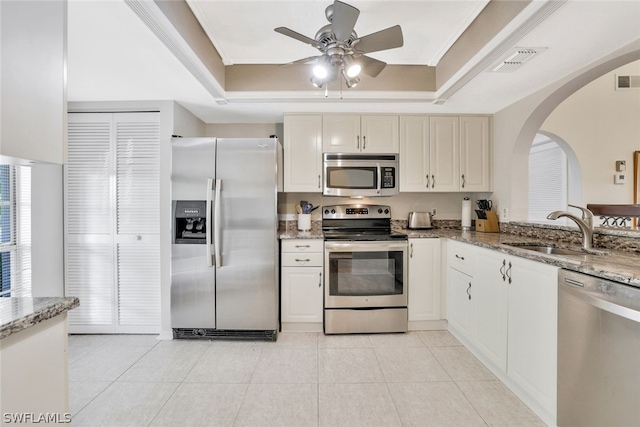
304	379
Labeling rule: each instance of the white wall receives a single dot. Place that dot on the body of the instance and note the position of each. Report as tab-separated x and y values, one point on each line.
245	130
601	125
447	205
515	127
33	79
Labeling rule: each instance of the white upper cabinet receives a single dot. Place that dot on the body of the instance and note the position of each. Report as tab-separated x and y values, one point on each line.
475	154
360	134
445	153
414	153
303	153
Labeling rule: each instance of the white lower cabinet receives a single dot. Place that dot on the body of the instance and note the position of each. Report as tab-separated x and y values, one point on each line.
424	281
507	316
301	281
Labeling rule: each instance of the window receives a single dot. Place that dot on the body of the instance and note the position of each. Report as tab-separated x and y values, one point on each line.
15	230
548	182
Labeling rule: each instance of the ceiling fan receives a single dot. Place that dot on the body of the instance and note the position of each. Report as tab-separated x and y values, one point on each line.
343	52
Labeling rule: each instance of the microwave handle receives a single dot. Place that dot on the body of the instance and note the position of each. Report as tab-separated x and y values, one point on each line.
379	177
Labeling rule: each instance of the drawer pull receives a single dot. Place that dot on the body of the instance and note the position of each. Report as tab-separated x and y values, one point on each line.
302	260
460	257
303	246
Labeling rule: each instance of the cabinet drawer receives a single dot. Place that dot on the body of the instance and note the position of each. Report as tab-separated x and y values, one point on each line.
306	245
460	257
302	260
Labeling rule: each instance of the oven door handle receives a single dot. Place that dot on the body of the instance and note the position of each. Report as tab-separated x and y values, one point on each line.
379	177
364	247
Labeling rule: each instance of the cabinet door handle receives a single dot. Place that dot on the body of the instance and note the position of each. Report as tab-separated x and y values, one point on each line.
358	144
364	142
468	289
433	181
427	176
302	260
460	257
318	181
320	280
504	264
411	252
509	272
463	181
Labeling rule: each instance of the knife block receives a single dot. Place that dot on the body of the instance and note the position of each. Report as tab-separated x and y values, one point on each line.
489	225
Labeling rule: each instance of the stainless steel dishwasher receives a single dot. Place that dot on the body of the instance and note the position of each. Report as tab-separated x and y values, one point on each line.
598	352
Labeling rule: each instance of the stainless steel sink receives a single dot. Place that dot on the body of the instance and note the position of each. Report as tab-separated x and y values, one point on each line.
550	250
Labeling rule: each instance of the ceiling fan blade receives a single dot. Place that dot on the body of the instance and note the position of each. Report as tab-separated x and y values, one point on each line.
343	20
382	40
309	60
304	39
371	66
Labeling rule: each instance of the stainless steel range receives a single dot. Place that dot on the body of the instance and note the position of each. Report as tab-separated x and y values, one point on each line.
365	271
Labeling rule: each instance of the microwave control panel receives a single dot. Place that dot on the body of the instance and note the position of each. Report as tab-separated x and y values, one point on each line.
388	178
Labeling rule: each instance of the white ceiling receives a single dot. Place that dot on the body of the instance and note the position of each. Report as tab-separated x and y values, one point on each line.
112	55
242	31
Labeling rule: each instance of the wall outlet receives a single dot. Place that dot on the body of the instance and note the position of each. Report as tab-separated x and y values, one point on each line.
434	211
505	214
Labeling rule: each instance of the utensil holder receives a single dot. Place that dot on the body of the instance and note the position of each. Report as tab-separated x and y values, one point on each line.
304	222
489	225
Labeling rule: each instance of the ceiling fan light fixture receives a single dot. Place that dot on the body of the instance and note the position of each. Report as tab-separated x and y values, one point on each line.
352	67
320	71
350	81
317	82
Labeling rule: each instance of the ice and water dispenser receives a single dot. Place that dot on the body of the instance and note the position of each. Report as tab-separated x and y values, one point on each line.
189	222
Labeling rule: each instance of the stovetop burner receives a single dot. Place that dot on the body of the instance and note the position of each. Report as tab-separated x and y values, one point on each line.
358	223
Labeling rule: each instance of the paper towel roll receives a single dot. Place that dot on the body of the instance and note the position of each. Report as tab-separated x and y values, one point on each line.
466	214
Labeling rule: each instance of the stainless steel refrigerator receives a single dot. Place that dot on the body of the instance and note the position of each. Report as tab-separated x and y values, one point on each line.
224	253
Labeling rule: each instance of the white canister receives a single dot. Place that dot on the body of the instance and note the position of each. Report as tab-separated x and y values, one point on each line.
304	222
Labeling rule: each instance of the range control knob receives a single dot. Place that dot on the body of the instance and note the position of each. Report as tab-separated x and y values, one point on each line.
326	211
379	210
333	211
386	211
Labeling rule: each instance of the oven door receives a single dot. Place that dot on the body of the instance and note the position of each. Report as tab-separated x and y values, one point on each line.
365	274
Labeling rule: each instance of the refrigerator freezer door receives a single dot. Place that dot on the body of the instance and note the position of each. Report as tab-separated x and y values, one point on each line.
193	162
246	278
193	297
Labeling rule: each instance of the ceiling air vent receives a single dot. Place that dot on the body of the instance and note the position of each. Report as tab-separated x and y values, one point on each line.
627	82
516	58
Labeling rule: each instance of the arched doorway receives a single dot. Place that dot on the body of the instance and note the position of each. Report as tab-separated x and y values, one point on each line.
517	126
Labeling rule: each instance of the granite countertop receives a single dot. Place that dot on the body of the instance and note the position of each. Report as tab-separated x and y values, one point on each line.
619	266
19	313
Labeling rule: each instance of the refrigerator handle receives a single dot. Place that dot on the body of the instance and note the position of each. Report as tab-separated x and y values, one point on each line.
216	224
209	225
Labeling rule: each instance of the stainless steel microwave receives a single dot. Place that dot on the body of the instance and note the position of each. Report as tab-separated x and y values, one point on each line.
364	175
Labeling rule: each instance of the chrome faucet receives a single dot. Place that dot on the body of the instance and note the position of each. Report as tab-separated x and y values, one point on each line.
585	224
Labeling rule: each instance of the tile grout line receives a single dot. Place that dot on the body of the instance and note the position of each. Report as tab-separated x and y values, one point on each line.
176	389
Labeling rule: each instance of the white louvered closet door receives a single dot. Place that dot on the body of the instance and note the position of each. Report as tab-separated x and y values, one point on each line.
138	221
112	222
